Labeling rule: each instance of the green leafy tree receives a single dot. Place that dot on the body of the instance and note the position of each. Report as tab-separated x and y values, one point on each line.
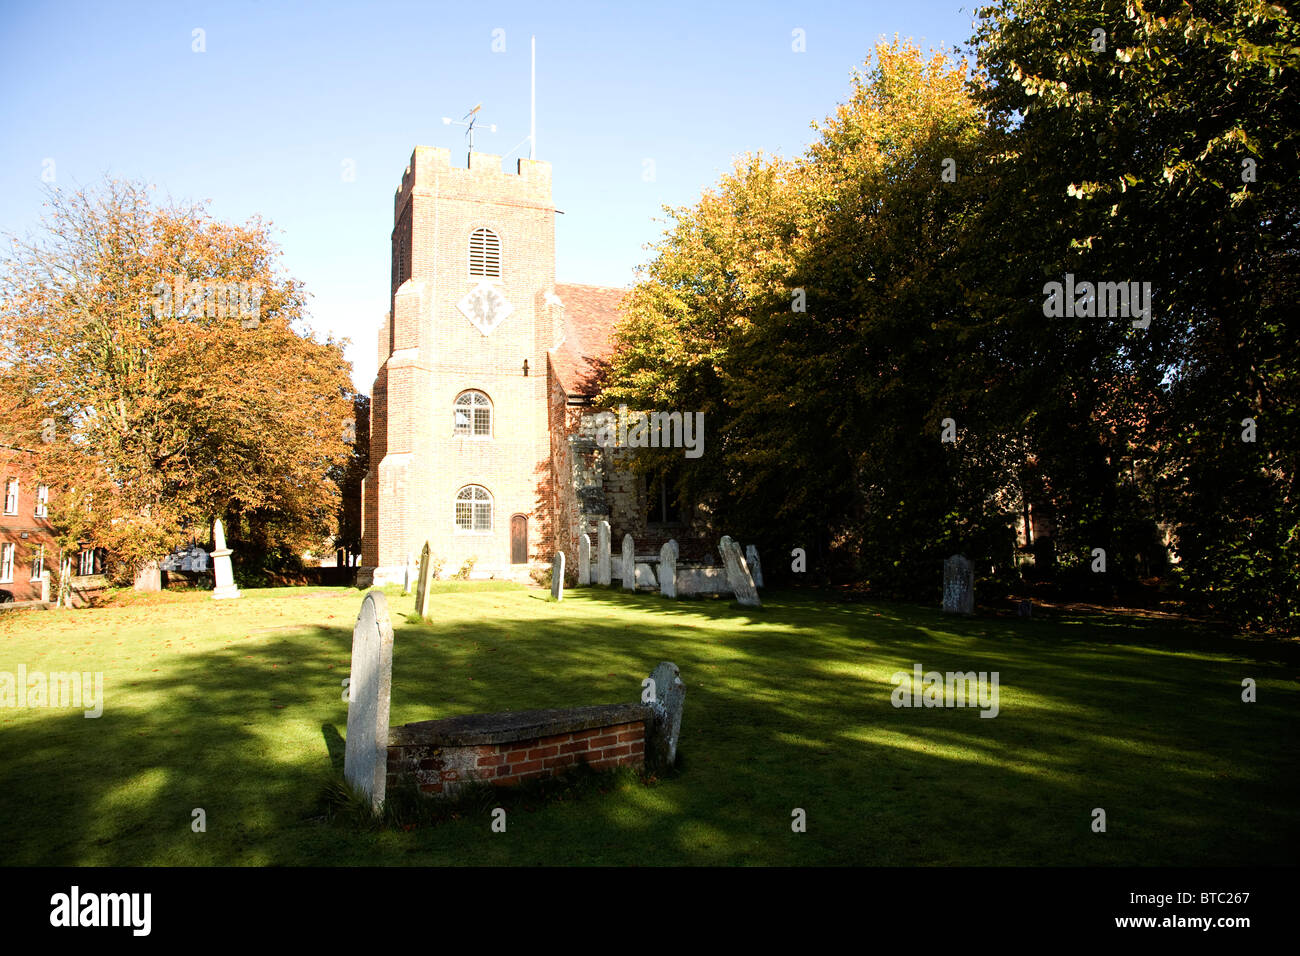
1156	142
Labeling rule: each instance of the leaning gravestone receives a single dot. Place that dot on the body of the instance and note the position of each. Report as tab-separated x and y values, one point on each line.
557	576
645	577
602	554
665	713
584	559
738	577
370	685
221	570
668	569
755	565
958	586
629	563
422	583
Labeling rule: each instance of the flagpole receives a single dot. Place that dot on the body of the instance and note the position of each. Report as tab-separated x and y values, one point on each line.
532	125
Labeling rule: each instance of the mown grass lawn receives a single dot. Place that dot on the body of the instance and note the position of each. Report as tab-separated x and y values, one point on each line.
235	707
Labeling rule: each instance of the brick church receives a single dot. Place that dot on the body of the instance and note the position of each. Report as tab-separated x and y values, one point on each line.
481	427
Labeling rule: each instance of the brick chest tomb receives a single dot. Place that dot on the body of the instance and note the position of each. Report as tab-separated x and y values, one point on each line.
440	756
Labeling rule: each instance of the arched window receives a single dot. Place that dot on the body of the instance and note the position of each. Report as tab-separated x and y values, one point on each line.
473	415
485	254
473	509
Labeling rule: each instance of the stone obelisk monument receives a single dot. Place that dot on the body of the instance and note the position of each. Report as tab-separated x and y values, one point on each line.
221	564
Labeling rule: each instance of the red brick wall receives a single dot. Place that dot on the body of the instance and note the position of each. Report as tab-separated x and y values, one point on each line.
418	465
440	770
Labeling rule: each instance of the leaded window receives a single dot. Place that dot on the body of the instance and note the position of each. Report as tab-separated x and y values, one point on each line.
474	509
473	415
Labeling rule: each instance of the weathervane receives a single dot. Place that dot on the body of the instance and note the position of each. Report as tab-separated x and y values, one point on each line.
472	117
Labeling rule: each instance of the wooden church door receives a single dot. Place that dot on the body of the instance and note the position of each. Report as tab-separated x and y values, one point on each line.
519	540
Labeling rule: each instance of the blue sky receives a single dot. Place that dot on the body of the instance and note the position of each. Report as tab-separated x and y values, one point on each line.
263	121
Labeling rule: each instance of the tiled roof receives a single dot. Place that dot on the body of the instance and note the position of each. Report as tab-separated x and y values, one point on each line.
590	314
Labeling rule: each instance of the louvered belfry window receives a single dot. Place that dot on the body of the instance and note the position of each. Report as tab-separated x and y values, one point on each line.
485	254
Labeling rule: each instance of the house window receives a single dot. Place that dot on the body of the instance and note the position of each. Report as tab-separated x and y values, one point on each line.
38	563
42	501
11	496
485	254
6	563
473	415
473	509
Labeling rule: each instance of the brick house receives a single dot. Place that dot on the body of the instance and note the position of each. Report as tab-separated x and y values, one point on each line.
27	545
481	427
28	548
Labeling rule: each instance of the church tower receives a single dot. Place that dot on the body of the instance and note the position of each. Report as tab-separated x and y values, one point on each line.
460	440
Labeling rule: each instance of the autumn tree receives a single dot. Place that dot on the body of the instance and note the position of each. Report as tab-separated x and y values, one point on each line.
725	263
913	372
819	311
158	361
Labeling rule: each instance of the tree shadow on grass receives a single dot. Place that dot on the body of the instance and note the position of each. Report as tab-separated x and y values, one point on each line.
790	709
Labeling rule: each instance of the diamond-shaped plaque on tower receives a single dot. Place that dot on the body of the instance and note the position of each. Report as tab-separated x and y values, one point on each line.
485	306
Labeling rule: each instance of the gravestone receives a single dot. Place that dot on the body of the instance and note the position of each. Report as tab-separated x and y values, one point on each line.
1026	609
958	586
664	725
755	565
584	559
45	587
223	573
602	554
149	577
668	569
422	583
557	576
408	575
738	577
645	577
629	564
370	685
